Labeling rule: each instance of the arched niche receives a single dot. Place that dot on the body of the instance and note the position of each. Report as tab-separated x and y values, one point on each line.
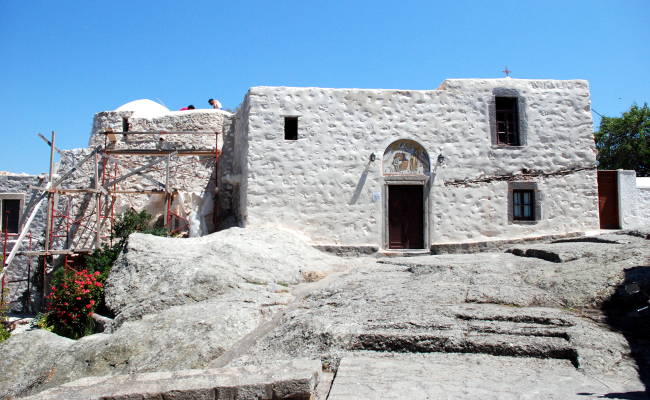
405	157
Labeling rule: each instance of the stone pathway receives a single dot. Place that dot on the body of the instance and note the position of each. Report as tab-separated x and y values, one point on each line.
466	376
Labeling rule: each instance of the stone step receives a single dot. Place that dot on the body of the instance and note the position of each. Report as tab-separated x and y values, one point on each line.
459	341
296	379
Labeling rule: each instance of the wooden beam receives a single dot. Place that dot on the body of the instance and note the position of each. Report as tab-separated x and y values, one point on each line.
98	199
22	235
48	222
162	133
50	143
54	252
161	153
75	167
108	192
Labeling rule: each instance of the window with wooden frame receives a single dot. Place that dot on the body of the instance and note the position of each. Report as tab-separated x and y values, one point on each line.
523	205
507	121
290	128
10	212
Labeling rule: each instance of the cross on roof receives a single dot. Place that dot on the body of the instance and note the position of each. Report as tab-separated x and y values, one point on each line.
506	71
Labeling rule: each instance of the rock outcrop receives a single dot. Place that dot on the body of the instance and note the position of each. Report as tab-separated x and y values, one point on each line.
179	304
243	298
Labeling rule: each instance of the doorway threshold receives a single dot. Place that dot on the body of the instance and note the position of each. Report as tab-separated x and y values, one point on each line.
403	252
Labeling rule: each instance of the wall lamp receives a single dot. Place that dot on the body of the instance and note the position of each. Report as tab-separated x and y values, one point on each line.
373	157
441	159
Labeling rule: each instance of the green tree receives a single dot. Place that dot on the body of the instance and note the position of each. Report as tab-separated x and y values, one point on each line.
624	142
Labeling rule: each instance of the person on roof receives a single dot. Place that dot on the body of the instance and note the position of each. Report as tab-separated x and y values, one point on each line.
190	107
215	104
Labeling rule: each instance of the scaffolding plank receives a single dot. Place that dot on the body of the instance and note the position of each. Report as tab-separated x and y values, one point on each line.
33	253
156	152
161	133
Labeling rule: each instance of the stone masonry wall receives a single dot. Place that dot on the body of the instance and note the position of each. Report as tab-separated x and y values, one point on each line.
22	273
324	185
193	177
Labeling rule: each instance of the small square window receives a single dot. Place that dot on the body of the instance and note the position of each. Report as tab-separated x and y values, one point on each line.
10	210
523	205
507	121
290	128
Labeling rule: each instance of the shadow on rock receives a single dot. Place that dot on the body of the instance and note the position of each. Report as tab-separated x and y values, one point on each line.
627	312
622	396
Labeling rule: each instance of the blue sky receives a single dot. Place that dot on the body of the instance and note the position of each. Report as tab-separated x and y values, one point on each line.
63	61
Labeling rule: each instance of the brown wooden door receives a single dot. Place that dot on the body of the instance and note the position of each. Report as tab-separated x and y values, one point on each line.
608	199
405	217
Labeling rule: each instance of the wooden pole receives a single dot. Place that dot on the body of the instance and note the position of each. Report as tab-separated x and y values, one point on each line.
48	222
98	199
167	194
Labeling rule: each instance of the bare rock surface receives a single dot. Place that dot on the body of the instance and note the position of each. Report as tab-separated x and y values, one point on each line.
245	297
180	303
28	361
392	309
155	273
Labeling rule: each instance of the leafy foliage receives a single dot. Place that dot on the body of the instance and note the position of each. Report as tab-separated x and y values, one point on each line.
624	142
133	221
72	302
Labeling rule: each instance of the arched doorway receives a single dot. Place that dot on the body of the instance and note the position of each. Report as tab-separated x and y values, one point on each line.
406	169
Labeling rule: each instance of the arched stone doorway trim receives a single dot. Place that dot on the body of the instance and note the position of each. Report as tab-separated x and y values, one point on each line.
406	169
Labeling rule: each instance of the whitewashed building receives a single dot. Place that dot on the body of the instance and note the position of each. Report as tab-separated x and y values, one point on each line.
476	160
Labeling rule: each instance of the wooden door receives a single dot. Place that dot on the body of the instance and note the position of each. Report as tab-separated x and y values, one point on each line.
405	217
608	199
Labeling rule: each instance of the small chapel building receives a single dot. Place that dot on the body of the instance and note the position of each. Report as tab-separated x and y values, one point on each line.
474	160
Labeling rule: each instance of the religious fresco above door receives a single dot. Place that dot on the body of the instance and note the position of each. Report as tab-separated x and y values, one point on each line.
406	157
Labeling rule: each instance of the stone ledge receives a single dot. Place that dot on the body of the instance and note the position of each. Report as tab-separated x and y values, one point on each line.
495	245
347	250
295	379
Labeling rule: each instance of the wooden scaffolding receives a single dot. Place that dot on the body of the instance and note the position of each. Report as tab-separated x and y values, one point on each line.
103	164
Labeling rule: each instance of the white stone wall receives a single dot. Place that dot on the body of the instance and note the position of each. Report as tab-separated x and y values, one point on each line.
643	200
628	201
324	185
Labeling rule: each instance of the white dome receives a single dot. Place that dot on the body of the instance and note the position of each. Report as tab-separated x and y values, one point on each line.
143	108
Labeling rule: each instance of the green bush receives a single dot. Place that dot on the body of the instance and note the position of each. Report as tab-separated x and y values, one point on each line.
4	333
133	221
72	302
76	295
